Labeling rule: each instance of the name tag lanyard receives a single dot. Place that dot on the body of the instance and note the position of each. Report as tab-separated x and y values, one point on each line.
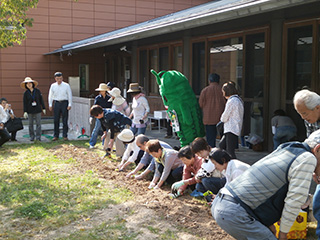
34	103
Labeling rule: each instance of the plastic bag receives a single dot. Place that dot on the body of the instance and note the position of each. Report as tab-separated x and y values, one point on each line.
298	229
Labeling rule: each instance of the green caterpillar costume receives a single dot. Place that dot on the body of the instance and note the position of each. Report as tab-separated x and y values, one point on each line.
182	106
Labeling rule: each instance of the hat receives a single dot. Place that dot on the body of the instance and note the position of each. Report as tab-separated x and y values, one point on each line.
58	74
102	87
27	80
134	87
110	85
126	135
118	99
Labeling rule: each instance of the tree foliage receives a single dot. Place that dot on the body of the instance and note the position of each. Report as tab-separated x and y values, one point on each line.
14	21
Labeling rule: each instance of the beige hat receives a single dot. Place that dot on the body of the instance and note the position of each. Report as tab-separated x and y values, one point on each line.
118	99
27	80
134	87
103	87
126	135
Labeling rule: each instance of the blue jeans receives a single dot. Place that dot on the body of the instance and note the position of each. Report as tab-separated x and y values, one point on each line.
283	134
316	208
211	135
214	184
137	131
95	133
234	219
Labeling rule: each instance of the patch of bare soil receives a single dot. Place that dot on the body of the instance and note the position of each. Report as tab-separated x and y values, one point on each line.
150	207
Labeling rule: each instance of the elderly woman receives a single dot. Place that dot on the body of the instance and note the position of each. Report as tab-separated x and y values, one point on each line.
33	105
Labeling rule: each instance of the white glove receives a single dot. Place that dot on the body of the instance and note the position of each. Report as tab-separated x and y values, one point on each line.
152	185
177	185
25	115
90	120
44	111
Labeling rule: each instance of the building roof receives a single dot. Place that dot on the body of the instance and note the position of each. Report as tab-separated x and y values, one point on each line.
204	14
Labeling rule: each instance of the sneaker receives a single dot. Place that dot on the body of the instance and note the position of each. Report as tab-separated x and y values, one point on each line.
55	139
65	139
91	147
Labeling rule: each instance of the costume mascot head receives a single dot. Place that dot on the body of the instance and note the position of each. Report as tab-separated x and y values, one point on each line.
181	105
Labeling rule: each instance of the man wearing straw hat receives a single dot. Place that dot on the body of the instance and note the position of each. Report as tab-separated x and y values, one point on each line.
33	104
61	96
103	101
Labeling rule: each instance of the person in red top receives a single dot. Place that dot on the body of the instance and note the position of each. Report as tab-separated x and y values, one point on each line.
192	164
212	103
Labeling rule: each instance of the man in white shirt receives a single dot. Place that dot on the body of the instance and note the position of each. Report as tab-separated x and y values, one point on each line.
61	96
4	135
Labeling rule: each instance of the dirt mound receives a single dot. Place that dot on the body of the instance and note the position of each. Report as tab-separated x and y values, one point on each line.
186	211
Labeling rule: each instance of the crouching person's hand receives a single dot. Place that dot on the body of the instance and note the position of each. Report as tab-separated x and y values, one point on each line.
177	185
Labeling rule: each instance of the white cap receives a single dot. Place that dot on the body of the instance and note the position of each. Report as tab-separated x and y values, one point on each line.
126	135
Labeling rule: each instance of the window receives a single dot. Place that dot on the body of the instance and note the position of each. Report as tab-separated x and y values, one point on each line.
154	64
84	77
199	77
164	59
143	69
255	81
243	62
299	60
225	59
158	58
177	58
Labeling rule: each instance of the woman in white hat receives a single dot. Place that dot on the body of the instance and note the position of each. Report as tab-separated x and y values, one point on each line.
132	153
33	105
118	102
140	109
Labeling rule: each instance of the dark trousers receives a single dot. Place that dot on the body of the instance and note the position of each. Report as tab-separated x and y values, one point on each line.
174	176
214	184
229	142
140	154
4	136
211	134
60	108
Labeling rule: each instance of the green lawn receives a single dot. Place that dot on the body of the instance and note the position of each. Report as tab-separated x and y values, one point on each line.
40	191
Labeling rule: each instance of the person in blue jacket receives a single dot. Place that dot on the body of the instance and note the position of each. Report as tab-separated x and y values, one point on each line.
114	121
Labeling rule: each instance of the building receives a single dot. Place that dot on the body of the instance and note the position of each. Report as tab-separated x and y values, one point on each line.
270	48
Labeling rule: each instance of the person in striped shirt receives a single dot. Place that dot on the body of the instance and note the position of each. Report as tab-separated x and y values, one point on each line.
274	187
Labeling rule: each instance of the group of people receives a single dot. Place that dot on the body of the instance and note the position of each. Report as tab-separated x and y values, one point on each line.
59	99
277	186
273	188
113	114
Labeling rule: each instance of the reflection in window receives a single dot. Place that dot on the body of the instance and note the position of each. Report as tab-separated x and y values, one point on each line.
154	64
254	82
177	58
164	59
143	69
299	63
226	59
254	66
84	77
199	77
